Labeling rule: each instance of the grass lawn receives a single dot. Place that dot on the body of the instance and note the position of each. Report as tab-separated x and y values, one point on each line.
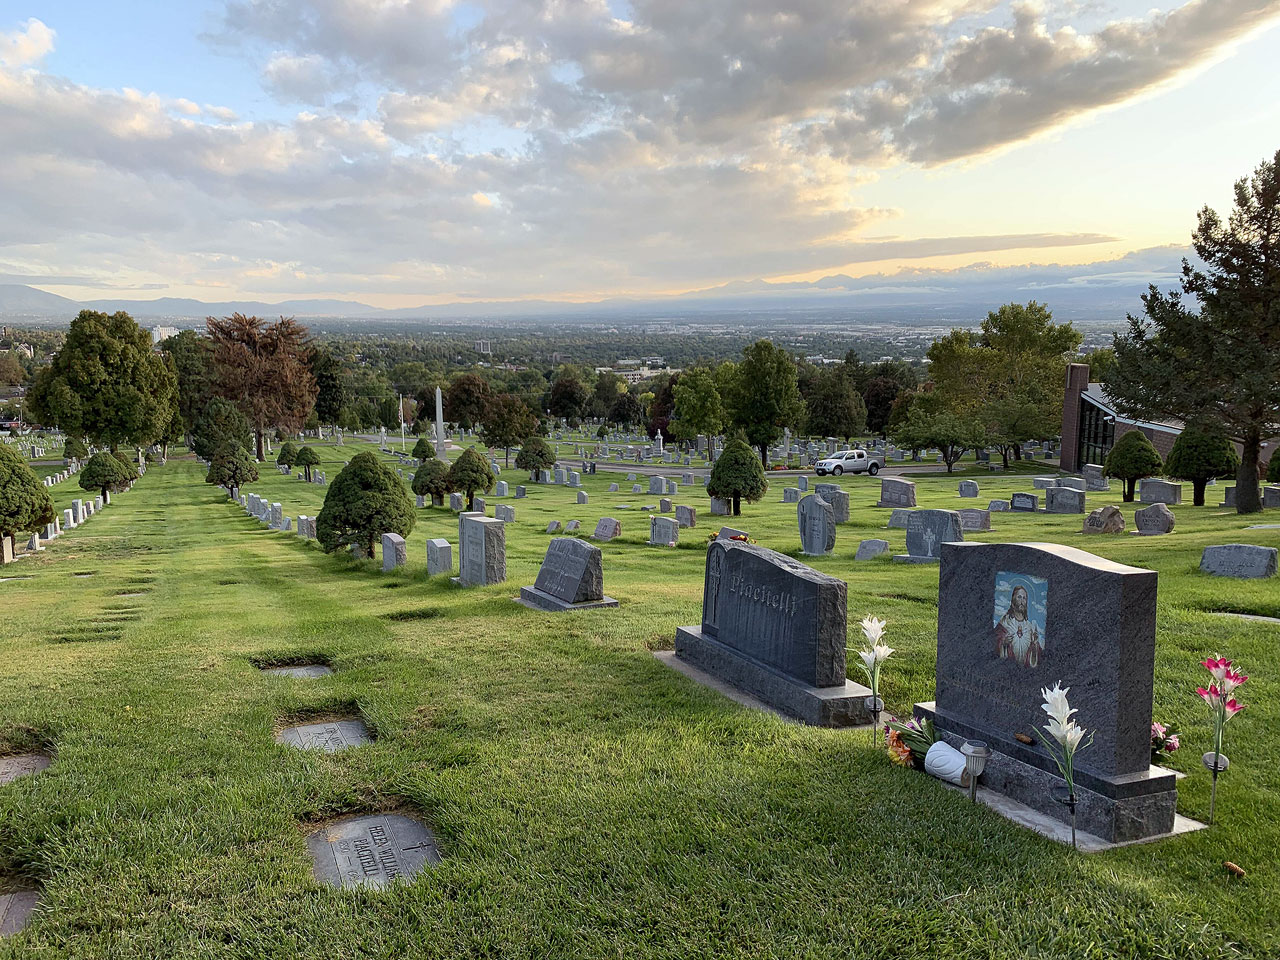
589	801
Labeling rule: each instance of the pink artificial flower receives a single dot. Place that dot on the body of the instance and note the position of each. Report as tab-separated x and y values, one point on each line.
1230	680
1209	696
1157	729
1172	743
1217	666
1232	707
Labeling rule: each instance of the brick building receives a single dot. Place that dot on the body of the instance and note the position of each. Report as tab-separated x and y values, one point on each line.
1091	425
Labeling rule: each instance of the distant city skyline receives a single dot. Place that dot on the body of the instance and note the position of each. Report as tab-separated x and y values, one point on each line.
431	151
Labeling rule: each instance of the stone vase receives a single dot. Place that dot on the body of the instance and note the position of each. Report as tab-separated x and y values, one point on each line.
946	763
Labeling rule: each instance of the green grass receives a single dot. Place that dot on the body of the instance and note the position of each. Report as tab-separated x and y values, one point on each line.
590	802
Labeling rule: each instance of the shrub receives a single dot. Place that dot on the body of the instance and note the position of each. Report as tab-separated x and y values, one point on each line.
288	454
1200	455
103	472
432	480
25	506
365	500
469	474
424	450
535	454
232	467
306	458
74	449
1132	458
737	475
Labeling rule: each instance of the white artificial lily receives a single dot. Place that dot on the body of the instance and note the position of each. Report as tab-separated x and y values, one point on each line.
1055	703
873	630
876	654
1068	735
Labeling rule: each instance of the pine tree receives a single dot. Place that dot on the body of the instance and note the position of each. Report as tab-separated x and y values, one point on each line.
1201	454
737	475
432	480
103	473
365	500
470	474
1132	458
25	506
306	459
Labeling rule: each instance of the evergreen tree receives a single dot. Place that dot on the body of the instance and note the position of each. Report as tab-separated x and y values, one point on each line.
737	475
424	449
25	506
1201	454
331	390
220	424
535	454
470	474
288	454
834	407
307	458
365	500
128	470
1131	458
1273	469
74	449
1221	362
626	411
232	466
103	473
432	480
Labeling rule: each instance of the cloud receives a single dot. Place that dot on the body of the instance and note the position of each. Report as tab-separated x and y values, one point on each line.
26	45
306	79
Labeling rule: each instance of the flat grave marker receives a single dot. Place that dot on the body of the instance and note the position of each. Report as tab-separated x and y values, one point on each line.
371	851
329	736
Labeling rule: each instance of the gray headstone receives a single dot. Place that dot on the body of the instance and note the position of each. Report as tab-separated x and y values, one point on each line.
1093	478
1044	483
456	503
637	488
1271	496
895	492
927	531
553	526
1074	483
802	482
968	488
790	494
817	522
998	506
1154	520
1015	618
721	508
686	516
300	671
572	525
1063	500
657	485
16	908
504	512
898	519
776	628
1104	520
977	520
571	577
482	551
834	494
394	552
1242	561
664	505
520	492
439	557
663	531
371	851
1160	491
500	488
871	548
1024	503
606	529
613	488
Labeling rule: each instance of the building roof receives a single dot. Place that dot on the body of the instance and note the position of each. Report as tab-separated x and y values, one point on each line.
1096	393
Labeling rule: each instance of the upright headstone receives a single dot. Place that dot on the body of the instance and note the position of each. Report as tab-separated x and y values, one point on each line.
1024	503
664	505
721	508
976	520
817	523
439	557
1016	618
571	578
482	551
505	512
790	494
898	519
868	549
1154	520
500	488
606	529
1160	491
1063	500
663	531
583	497
658	485
521	493
1093	478
968	488
775	628
1242	561
895	492
553	526
456	503
394	552
998	506
835	495
927	531
686	516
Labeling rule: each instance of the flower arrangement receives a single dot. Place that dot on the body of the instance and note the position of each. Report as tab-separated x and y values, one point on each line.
1222	707
1066	738
1165	739
740	538
909	742
899	752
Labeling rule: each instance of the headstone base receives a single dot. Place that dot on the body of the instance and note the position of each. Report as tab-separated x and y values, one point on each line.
908	558
536	599
1119	809
842	706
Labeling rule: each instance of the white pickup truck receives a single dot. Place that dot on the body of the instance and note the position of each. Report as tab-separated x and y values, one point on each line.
847	461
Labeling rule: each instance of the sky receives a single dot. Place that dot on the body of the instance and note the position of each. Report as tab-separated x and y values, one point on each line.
402	152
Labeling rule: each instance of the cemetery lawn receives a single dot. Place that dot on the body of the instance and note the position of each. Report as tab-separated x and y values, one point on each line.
589	801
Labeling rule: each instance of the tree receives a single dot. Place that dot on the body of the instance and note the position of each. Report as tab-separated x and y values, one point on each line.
626	411
699	408
218	425
288	454
192	357
470	473
231	466
128	470
466	399
607	388
878	397
424	449
834	406
1221	362
662	406
264	369
1273	469
365	500
105	383
25	506
74	449
507	420
1132	457
737	475
535	454
103	472
307	458
11	372
763	397
951	433
568	397
1101	362
1201	454
331	390
432	480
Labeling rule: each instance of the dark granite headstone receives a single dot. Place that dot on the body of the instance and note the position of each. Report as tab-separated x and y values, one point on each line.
776	628
371	851
1015	618
1024	503
895	492
571	578
927	531
329	736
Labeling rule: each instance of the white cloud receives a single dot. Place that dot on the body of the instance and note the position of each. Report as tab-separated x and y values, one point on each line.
26	45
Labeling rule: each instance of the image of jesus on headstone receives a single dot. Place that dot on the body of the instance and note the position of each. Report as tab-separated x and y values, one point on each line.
1021	602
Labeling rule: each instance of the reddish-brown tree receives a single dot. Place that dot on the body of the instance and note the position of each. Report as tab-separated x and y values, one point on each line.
264	370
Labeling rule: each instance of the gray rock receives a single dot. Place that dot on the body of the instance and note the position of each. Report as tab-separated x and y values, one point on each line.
571	578
1154	520
439	557
817	522
871	548
1241	561
1104	520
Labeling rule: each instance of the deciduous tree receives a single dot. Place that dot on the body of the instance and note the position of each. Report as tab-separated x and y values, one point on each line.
470	474
466	399
507	420
763	397
699	408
